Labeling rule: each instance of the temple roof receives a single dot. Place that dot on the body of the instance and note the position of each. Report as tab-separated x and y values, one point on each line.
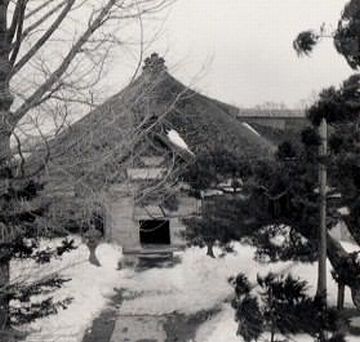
148	107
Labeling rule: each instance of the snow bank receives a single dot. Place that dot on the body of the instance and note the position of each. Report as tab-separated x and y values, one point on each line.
90	289
200	283
222	327
197	283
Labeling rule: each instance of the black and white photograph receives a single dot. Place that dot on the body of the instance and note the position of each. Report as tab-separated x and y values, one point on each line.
179	170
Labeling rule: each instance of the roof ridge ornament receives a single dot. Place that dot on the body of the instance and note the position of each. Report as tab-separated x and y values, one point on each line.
154	64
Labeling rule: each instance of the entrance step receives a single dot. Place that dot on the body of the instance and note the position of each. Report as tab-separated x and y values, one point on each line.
151	256
152	249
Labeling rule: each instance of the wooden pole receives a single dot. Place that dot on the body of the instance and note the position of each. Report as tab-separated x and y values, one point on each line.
321	286
321	289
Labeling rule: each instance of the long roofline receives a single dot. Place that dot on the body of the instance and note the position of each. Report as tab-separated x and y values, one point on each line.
272	113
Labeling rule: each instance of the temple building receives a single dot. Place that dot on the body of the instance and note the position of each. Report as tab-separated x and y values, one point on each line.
124	160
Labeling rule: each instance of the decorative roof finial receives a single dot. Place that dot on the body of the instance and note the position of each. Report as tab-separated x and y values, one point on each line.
154	64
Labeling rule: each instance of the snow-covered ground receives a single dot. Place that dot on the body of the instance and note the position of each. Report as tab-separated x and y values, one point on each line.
90	287
196	283
222	327
199	282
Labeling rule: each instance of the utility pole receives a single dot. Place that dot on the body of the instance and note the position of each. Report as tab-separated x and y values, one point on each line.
321	286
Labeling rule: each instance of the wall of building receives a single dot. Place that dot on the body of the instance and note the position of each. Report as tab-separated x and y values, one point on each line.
284	123
123	216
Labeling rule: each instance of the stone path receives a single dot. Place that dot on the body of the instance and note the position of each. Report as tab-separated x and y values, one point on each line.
139	329
112	326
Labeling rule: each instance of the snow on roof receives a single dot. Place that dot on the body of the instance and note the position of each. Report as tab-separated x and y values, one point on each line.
344	211
178	141
252	129
330	191
211	193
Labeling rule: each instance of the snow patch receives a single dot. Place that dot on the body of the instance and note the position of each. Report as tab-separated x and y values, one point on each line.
178	141
252	129
222	327
182	287
278	240
90	287
196	283
344	211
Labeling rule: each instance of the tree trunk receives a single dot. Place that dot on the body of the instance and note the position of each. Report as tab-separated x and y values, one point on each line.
6	127
341	296
355	296
92	256
352	226
337	254
4	257
4	302
210	250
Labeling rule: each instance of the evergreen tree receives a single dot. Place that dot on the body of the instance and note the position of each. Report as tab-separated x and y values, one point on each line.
281	307
23	215
282	194
215	226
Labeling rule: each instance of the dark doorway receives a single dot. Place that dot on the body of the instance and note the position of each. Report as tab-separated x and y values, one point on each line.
155	232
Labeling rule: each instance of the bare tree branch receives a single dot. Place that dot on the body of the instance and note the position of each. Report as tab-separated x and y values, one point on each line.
56	75
19	31
40	21
49	32
45	4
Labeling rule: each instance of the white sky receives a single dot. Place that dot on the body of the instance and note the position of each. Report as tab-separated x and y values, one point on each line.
238	51
241	51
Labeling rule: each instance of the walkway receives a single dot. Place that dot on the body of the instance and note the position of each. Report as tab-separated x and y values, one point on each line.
112	326
139	329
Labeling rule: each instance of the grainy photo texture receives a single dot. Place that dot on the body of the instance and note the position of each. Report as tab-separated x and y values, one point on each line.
179	171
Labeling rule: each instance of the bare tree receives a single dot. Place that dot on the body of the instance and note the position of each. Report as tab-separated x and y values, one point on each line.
51	53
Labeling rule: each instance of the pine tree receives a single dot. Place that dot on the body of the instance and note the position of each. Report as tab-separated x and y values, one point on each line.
23	214
281	307
215	226
281	194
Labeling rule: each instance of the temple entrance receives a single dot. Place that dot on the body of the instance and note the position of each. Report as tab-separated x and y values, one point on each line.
155	232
